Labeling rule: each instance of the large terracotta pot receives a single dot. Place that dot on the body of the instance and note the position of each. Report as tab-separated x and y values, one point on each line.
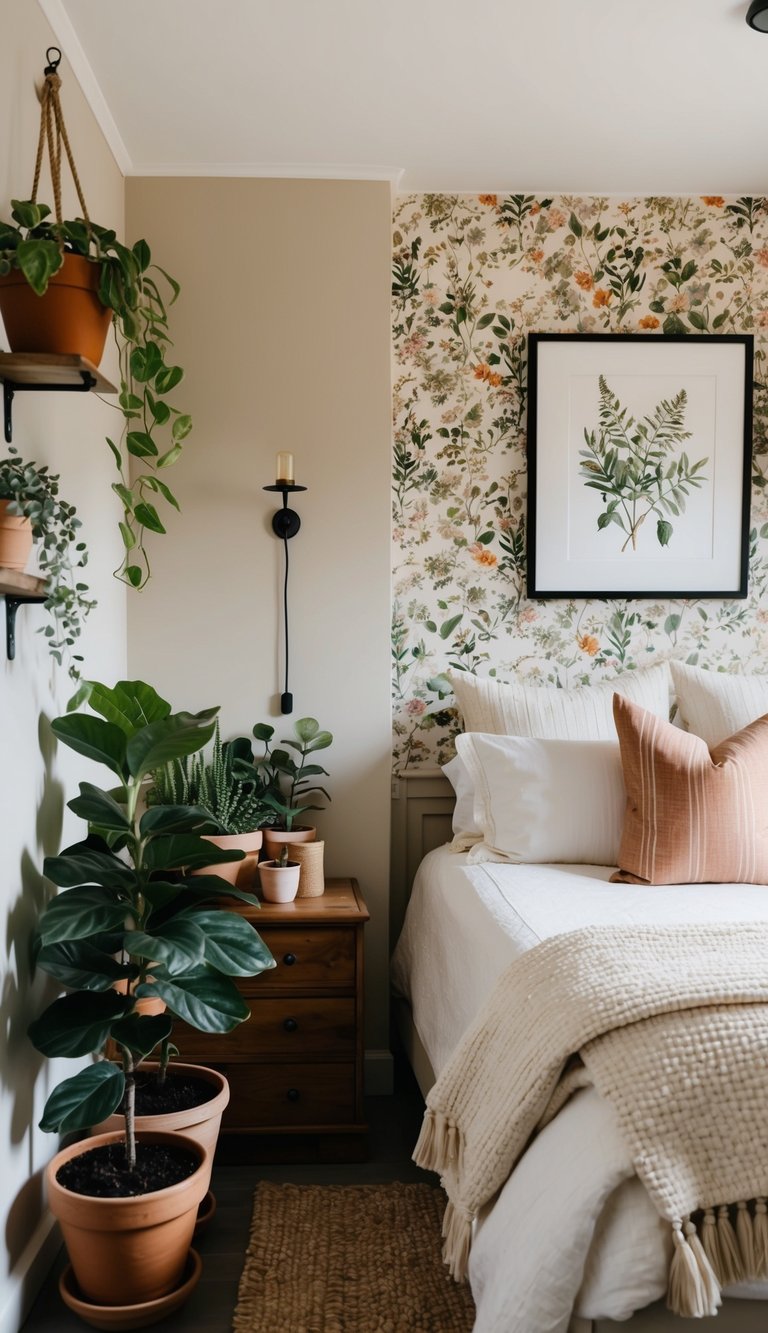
240	873
15	539
124	1251
200	1123
68	318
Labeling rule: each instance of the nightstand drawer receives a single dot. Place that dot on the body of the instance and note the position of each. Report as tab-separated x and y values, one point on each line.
285	1095
323	1029
307	959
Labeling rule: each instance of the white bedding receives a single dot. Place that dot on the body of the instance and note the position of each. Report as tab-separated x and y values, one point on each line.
572	1216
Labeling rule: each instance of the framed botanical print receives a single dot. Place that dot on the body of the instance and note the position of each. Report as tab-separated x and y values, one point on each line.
639	465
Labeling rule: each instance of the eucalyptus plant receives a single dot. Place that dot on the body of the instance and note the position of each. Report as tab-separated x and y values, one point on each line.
138	293
225	783
32	492
127	913
289	781
639	466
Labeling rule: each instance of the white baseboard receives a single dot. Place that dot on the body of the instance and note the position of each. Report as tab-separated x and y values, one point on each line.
29	1273
378	1073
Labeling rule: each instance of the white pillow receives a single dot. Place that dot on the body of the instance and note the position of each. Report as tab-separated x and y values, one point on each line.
717	704
545	800
584	714
465	828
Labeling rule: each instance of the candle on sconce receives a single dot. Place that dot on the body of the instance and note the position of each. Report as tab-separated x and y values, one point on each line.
285	469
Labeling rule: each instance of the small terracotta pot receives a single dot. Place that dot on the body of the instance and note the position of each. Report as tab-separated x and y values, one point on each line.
15	539
242	874
129	1250
200	1123
279	883
67	319
275	839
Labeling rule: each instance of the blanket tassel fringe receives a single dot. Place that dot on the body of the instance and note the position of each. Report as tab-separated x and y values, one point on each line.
439	1146
722	1256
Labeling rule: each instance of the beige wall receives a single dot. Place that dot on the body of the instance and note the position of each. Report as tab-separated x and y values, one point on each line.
283	330
66	431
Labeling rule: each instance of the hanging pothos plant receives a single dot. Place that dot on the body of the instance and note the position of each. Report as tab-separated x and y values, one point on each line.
36	244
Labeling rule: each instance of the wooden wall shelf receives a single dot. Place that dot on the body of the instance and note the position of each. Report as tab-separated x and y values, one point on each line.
46	372
18	590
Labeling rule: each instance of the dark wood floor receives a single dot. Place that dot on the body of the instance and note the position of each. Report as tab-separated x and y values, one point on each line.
394	1126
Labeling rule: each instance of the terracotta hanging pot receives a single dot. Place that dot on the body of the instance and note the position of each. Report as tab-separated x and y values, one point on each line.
15	539
197	1122
67	319
128	1250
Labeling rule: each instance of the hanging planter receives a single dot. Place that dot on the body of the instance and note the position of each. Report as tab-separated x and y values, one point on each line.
61	284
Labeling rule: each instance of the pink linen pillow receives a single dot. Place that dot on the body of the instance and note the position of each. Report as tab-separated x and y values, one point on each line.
693	815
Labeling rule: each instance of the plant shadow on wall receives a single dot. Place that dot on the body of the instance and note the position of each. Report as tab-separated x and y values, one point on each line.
472	276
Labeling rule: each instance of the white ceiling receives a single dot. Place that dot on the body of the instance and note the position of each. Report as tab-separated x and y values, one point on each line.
586	96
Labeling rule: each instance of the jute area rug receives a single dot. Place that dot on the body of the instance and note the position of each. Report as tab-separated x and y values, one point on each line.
349	1259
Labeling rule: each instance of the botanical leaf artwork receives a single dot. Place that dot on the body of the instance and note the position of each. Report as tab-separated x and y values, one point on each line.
639	467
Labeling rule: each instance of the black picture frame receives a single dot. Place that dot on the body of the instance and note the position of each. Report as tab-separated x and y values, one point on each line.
572	382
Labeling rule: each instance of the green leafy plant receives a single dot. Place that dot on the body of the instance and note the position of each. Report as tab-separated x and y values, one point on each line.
226	783
32	492
128	914
134	290
288	781
636	466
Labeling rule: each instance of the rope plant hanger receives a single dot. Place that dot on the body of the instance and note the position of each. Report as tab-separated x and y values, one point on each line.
106	282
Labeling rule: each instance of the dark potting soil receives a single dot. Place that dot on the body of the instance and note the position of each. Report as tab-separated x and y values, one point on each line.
179	1092
102	1172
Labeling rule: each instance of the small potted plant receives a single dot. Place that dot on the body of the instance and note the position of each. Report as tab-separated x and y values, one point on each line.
279	878
45	263
289	780
32	510
128	917
228	785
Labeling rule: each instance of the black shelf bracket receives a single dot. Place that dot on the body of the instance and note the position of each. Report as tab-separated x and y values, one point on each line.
13	601
10	387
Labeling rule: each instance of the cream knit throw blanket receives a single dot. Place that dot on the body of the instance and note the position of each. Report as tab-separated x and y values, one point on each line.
671	1026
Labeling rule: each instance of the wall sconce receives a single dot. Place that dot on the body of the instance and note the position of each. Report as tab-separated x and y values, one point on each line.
285	524
757	15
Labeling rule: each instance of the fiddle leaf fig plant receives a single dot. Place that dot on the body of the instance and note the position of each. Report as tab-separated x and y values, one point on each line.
129	911
138	293
32	492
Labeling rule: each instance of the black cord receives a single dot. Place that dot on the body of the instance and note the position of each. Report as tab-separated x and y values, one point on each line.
285	611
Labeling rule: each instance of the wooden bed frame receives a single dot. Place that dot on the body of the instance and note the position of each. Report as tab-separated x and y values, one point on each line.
422	806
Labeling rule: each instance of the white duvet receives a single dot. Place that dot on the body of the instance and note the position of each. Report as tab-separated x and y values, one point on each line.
572	1229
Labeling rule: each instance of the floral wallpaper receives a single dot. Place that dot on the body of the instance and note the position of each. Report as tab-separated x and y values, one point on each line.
472	275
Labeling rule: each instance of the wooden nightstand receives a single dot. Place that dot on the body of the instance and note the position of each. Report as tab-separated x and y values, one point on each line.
295	1068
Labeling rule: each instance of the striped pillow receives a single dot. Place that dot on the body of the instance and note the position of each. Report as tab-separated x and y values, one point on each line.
714	704
693	815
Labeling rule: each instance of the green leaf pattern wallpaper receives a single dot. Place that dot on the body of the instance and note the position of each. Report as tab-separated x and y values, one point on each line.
472	275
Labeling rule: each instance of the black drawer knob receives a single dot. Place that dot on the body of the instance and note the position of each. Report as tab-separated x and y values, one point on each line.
292	1094
290	1024
289	959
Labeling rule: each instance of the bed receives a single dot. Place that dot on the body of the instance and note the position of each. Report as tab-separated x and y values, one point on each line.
462	925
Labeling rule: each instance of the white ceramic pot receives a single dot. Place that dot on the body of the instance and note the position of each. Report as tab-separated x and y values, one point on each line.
279	883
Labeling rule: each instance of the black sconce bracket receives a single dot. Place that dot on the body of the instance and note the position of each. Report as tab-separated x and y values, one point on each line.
285	521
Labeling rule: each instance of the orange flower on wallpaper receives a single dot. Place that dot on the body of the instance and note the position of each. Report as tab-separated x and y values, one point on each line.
714	200
588	644
762	256
490	199
482	555
601	297
648	322
584	280
537	256
484	372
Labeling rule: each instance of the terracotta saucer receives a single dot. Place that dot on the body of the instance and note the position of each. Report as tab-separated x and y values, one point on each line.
131	1316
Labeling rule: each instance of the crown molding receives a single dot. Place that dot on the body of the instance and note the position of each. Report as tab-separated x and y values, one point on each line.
329	171
68	40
